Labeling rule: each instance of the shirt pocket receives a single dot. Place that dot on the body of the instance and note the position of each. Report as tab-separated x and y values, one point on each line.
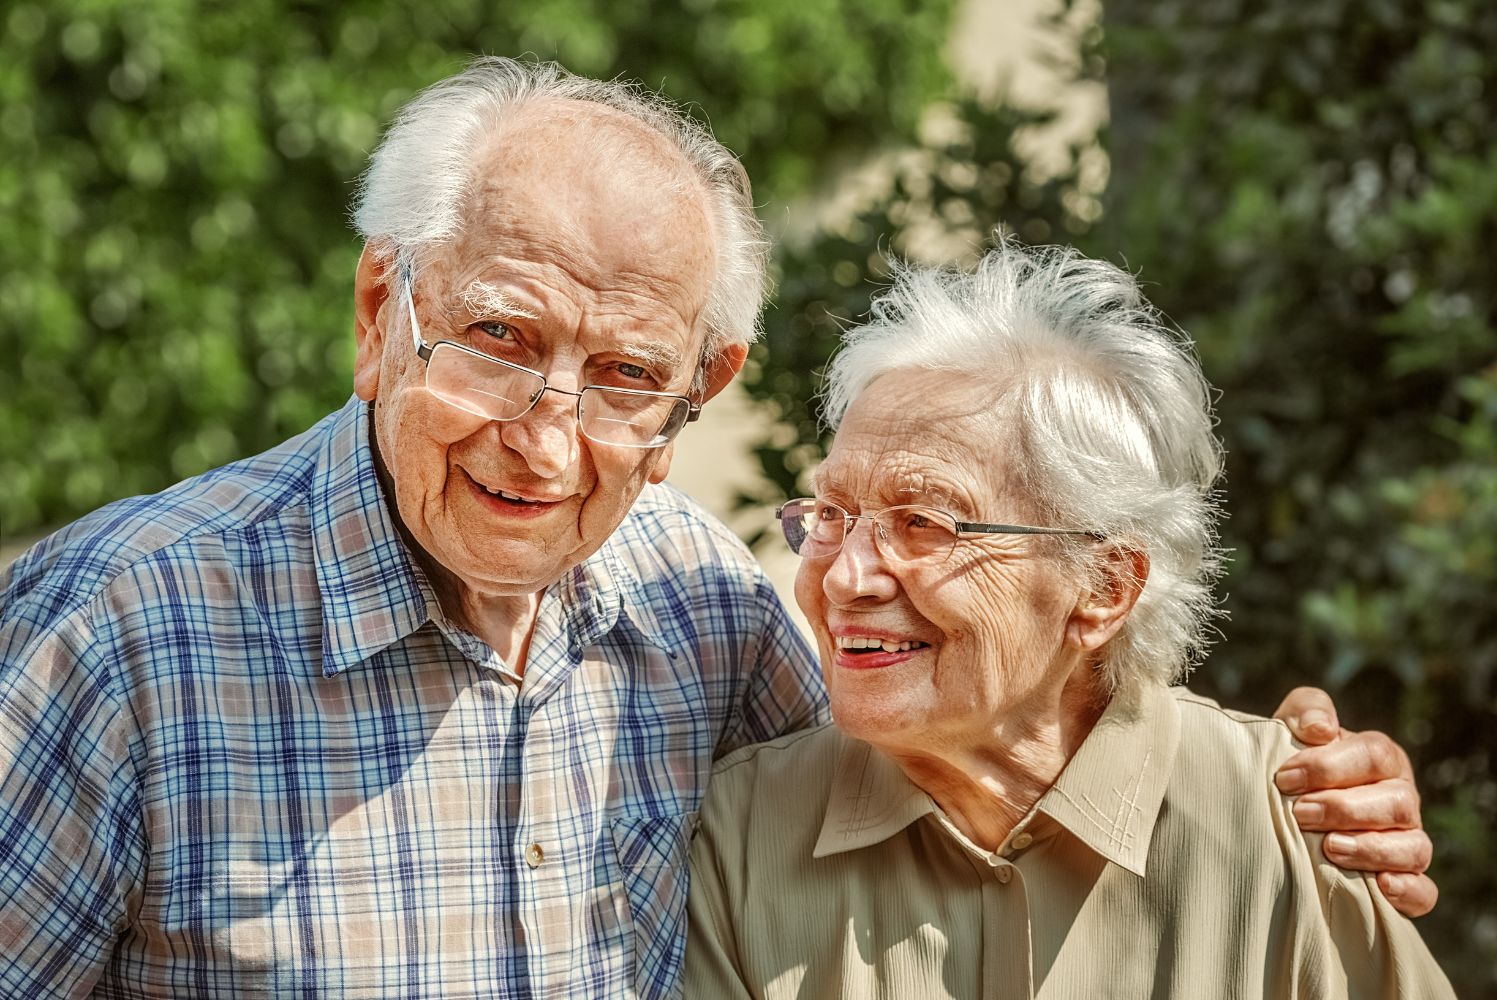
652	853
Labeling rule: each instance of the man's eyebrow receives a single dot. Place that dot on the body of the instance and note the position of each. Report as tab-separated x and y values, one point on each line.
483	299
662	357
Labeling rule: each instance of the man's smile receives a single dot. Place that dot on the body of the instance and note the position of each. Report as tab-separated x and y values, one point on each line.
511	503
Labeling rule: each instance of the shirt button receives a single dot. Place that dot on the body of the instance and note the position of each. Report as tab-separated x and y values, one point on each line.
534	855
1004	875
1022	841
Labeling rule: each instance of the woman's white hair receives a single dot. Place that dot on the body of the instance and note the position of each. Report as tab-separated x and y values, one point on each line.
411	199
1107	417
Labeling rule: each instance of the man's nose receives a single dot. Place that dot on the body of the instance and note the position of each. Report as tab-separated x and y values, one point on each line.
546	435
859	570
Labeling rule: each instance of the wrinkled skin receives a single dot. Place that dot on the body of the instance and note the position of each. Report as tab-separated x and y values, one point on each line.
584	268
1001	644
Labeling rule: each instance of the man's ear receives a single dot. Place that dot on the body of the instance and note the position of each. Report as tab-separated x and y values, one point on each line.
370	290
1100	613
662	464
722	369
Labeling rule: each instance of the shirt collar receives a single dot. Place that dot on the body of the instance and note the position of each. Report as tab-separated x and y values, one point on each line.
1110	792
595	594
871	800
373	594
1108	795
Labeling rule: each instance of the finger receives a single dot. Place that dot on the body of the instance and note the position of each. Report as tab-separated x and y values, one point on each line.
1385	851
1411	895
1387	805
1310	714
1355	759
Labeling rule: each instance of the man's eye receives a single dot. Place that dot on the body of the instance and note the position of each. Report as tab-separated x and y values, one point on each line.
631	371
496	330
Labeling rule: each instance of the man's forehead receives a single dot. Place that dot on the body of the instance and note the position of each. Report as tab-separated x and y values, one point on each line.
545	194
575	151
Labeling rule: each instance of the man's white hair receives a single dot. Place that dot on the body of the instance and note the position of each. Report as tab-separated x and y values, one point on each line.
411	199
1107	422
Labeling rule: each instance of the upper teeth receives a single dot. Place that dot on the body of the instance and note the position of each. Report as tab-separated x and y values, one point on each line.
504	494
863	642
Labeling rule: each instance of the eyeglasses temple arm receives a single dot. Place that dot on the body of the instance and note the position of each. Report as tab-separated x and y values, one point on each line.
410	303
972	528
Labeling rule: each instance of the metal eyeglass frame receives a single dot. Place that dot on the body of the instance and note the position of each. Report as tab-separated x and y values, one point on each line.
424	352
965	530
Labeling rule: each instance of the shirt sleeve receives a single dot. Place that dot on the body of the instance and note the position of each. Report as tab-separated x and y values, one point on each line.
783	692
70	824
712	969
1380	949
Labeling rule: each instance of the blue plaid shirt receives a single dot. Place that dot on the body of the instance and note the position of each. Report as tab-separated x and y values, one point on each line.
242	752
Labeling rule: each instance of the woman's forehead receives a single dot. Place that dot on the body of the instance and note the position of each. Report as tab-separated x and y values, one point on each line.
899	469
914	437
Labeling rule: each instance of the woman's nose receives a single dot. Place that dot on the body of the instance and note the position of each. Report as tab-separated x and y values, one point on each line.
859	570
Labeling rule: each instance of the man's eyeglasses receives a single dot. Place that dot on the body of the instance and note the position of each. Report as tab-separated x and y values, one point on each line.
906	533
497	390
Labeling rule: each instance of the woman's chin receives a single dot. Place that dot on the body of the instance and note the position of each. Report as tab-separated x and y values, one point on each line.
874	720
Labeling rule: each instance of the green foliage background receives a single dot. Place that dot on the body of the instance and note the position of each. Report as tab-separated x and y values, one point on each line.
1307	186
1310	189
175	278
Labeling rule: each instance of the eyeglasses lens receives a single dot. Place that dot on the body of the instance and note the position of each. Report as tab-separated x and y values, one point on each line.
816	528
631	419
480	386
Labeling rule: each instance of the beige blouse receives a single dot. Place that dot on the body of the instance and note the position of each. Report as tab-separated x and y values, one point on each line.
1163	863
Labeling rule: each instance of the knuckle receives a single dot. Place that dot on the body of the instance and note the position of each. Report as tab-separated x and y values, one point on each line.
1424	852
1382	753
1405	811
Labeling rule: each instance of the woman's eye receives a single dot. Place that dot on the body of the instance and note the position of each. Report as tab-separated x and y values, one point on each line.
496	330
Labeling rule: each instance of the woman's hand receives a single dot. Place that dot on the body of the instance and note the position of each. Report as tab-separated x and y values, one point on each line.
1359	789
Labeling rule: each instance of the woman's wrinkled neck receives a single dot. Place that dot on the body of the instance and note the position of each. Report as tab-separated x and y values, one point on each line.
987	786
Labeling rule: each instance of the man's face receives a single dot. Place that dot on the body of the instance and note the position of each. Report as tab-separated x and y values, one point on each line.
590	269
985	627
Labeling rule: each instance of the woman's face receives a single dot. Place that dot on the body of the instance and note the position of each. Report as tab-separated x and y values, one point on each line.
985	626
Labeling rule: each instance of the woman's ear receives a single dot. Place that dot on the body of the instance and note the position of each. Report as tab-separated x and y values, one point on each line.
1101	612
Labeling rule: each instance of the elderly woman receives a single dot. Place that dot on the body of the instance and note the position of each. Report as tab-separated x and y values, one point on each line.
1007	563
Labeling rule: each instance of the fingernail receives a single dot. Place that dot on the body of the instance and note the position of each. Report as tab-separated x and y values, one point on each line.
1316	721
1340	843
1309	812
1291	781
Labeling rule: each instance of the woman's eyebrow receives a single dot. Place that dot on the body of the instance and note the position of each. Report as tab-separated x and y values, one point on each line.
933	495
483	299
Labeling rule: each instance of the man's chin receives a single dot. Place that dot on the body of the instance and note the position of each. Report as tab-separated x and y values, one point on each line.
509	569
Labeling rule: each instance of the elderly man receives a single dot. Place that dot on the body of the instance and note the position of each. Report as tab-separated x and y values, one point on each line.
423	702
1008	559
